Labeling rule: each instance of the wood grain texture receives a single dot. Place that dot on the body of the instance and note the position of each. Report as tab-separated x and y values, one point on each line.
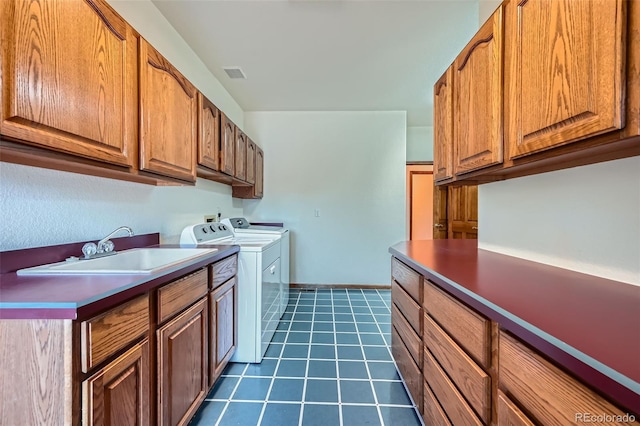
462	211
227	145
550	395
107	333
440	224
118	394
251	161
445	391
35	353
70	79
240	155
409	279
182	365
443	126
477	105
411	311
472	382
411	373
258	190
565	79
509	414
222	270
223	327
208	134
412	340
465	326
168	118
433	412
175	296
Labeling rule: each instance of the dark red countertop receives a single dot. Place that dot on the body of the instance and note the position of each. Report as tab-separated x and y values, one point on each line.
588	325
81	296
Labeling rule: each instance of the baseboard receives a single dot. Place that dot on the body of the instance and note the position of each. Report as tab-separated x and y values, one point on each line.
340	286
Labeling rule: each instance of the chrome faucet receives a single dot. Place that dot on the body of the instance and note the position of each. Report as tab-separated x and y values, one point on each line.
105	246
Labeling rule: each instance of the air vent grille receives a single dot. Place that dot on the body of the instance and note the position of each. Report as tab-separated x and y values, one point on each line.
235	72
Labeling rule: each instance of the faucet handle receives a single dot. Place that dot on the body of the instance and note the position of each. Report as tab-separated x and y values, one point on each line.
89	249
106	246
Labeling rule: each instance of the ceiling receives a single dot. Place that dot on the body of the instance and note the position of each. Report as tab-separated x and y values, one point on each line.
328	55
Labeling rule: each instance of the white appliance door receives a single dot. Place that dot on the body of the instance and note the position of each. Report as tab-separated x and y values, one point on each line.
271	300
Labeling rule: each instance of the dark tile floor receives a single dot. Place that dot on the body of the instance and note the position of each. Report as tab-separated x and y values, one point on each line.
329	363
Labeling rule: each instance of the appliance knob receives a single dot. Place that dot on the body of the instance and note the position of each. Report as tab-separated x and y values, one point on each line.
212	228
204	230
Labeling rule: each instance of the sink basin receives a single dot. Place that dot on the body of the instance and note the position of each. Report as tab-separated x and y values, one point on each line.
133	261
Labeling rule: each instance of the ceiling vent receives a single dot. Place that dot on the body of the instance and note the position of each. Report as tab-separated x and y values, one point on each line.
234	72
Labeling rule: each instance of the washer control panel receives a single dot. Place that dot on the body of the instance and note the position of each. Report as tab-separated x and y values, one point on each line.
204	233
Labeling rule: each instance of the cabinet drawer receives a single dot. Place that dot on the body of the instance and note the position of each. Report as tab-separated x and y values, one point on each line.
433	412
509	414
223	270
468	328
445	391
409	279
409	308
547	393
470	379
174	297
409	370
105	334
411	340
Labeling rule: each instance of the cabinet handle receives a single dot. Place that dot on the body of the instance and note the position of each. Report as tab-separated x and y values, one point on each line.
475	228
272	270
438	225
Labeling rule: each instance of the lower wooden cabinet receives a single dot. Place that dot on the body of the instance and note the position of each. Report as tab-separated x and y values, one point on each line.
223	331
118	394
509	414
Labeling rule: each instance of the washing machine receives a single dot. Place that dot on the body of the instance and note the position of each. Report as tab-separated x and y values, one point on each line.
259	284
241	226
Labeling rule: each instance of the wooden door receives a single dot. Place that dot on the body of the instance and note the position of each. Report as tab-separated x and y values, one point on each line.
182	365
168	117
420	201
118	394
223	329
241	155
440	229
259	185
478	99
227	145
69	78
443	126
251	161
566	79
208	133
462	211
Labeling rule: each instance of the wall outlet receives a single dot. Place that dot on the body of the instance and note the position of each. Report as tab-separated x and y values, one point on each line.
211	218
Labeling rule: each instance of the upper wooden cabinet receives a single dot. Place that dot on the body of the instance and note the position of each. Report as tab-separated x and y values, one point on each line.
240	154
259	185
566	74
208	133
227	145
251	161
477	106
69	78
168	117
443	126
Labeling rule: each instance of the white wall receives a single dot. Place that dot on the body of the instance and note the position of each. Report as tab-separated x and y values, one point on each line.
585	219
350	167
42	207
420	143
486	9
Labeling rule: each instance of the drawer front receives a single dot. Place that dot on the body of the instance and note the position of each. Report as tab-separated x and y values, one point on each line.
409	279
433	412
457	409
469	329
224	269
471	380
411	340
409	370
509	414
174	297
105	334
409	308
547	393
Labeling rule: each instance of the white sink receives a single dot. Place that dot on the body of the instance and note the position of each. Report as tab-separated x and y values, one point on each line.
133	261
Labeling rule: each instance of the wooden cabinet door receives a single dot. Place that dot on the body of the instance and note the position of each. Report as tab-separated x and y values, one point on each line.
440	212
241	155
251	161
462	207
223	329
208	133
443	127
478	99
227	145
69	78
168	117
182	365
566	78
118	394
259	185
